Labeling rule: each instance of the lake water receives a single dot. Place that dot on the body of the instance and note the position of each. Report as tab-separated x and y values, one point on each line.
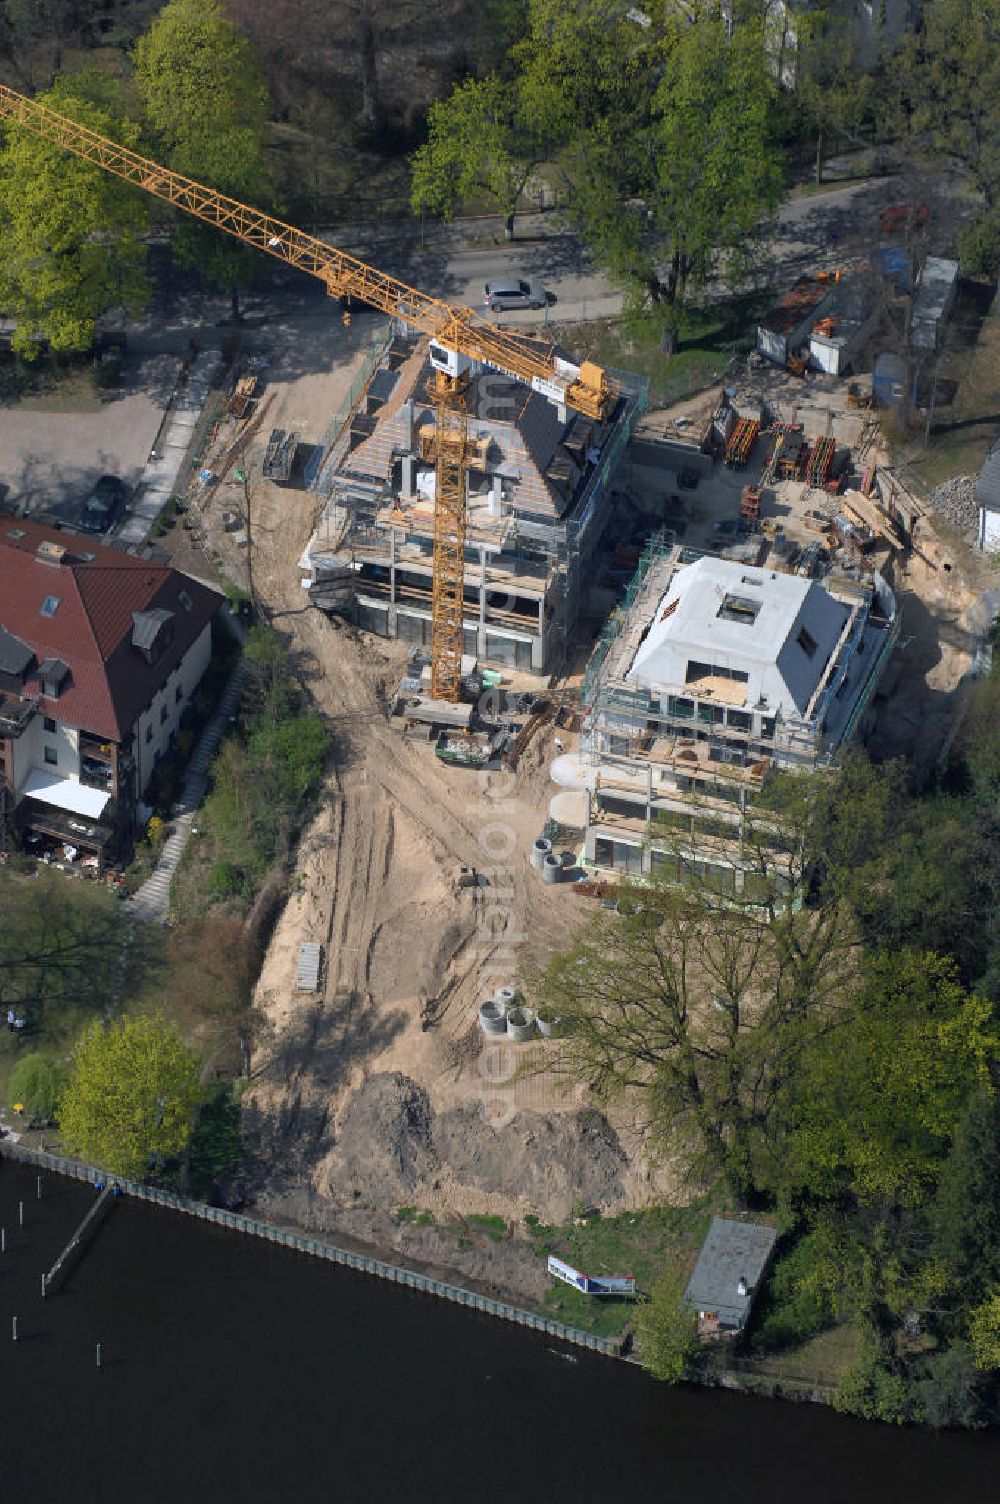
235	1370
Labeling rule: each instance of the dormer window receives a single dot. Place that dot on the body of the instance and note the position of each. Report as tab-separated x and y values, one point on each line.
152	633
53	674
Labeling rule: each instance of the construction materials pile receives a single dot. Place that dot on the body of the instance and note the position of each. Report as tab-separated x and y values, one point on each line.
955	501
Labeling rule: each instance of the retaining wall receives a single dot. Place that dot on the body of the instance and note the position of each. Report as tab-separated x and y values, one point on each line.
302	1243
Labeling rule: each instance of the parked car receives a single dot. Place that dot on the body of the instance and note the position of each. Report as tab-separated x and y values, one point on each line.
514	293
105	504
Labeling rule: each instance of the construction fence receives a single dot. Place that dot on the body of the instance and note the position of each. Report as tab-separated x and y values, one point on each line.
315	1247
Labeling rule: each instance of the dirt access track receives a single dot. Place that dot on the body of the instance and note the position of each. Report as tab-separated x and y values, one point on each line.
380	1093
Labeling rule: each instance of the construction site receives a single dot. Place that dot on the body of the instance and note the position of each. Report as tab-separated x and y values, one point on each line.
470	543
377	1094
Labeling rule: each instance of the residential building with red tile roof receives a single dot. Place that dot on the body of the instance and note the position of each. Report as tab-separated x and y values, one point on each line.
100	653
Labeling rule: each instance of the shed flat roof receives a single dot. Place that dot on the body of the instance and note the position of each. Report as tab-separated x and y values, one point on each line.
732	1251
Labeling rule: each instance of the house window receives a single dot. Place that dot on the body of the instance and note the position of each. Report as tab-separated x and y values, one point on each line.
738	720
49	723
50	606
51	756
806	643
681	708
149	735
163	715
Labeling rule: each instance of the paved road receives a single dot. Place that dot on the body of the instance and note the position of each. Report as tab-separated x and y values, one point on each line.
454	261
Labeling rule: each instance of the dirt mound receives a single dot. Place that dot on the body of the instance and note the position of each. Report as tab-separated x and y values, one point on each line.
392	1147
384	1145
549	1162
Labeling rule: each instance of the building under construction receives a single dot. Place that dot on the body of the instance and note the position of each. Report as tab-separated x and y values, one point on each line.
713	676
539	498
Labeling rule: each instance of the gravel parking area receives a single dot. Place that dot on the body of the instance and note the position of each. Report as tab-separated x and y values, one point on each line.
49	459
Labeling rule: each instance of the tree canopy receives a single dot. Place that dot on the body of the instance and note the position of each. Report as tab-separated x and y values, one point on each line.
206	109
700	1006
948	80
131	1096
72	233
478	140
662	136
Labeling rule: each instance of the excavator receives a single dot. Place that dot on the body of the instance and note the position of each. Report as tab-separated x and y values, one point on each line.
460	341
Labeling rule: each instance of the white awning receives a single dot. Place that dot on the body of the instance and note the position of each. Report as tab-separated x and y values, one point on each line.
65	793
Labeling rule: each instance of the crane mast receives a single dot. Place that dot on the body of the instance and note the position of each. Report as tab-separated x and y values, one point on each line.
460	340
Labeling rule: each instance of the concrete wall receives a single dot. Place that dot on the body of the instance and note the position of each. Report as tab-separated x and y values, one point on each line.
989	530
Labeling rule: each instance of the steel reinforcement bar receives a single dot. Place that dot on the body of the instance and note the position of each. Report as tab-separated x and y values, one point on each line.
302	1243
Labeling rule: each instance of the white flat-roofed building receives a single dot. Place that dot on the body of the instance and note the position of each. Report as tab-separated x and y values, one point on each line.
718	676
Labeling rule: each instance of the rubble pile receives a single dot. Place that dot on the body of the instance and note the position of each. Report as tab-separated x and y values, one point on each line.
954	500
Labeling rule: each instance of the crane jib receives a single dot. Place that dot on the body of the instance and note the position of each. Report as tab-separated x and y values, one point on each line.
588	389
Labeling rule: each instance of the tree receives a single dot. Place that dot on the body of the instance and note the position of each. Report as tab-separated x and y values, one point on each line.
837	93
665	142
478	139
33	34
949	85
984	1333
131	1096
36	1083
667	1331
875	1101
965	1216
207	109
72	245
60	950
698	1006
337	53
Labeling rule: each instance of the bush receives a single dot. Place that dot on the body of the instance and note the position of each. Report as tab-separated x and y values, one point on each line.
947	1390
216	1142
794	1305
667	1330
225	881
875	1390
36	1083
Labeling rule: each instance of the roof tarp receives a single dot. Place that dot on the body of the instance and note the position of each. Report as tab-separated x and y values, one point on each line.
65	793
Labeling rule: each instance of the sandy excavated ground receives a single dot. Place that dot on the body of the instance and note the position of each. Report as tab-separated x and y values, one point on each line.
379	1093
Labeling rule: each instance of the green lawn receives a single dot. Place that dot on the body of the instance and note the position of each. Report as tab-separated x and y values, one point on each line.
965	428
637	1243
710	337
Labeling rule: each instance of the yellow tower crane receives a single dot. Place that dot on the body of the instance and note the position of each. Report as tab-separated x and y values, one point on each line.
459	340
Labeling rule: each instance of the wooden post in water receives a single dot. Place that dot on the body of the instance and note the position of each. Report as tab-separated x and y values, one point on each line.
3	1240
13	1327
38	1186
100	1357
20	1214
44	1291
